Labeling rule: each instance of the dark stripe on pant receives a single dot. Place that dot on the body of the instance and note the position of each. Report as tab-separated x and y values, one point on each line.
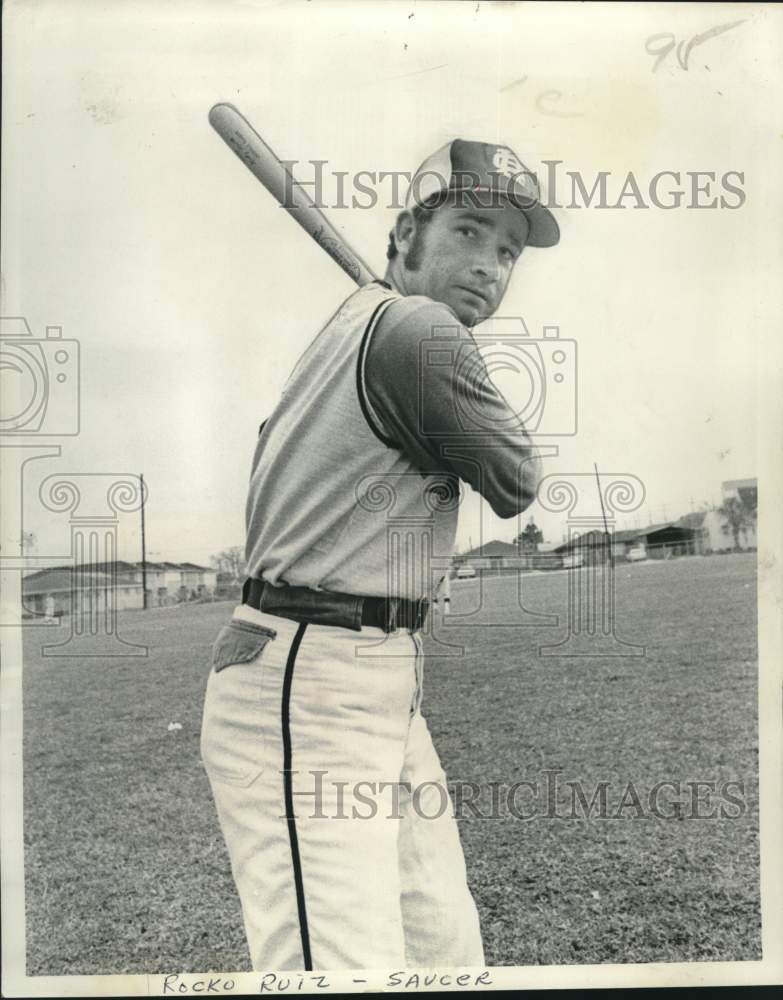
288	789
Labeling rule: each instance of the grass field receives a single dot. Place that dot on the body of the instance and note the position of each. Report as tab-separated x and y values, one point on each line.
126	869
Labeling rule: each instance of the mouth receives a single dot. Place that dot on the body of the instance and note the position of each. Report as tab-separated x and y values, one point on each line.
474	292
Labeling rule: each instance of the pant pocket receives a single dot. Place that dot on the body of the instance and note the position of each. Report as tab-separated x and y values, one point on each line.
239	642
232	729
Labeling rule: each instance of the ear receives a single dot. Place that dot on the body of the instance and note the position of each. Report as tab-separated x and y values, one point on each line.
404	231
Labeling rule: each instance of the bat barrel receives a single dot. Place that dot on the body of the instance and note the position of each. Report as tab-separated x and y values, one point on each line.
237	132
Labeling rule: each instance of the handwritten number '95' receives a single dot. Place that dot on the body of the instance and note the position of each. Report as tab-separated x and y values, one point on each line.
660	45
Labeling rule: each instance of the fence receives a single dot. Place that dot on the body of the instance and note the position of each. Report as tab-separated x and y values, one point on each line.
671	550
508	565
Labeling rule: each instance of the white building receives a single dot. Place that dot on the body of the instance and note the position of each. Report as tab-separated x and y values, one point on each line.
53	590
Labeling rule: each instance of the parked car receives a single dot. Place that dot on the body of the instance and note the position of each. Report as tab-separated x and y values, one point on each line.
465	572
636	553
572	560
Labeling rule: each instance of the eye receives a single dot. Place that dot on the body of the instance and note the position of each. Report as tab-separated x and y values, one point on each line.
467	230
508	255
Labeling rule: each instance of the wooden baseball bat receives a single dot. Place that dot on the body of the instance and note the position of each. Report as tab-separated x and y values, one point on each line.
251	149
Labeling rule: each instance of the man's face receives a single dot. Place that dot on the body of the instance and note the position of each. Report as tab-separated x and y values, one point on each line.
464	257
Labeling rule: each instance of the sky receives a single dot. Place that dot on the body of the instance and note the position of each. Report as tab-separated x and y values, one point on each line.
127	222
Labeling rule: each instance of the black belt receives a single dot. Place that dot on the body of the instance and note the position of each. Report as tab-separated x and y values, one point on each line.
323	607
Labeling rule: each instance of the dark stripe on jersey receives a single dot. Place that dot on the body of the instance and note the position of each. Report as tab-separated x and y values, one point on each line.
288	791
359	387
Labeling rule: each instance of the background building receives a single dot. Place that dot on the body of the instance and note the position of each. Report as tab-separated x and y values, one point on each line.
496	558
52	590
727	528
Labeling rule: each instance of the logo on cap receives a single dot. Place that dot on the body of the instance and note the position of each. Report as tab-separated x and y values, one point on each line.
506	162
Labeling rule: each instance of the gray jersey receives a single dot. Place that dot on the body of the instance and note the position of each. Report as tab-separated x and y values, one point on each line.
355	478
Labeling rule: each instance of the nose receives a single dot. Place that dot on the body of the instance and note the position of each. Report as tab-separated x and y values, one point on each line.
487	267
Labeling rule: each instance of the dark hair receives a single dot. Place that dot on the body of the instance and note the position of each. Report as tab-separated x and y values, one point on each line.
422	214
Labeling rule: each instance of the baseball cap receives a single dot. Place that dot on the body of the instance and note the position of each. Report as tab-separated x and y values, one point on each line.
483	167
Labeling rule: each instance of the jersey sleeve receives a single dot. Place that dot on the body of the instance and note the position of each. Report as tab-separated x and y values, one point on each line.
427	384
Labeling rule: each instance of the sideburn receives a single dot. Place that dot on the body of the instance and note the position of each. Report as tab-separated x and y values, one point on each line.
412	260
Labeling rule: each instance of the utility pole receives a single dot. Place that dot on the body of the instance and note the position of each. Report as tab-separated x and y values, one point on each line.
143	546
607	537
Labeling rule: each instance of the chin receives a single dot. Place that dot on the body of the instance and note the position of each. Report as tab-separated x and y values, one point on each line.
467	316
470	318
470	315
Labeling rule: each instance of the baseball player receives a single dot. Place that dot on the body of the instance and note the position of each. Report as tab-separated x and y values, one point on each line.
330	794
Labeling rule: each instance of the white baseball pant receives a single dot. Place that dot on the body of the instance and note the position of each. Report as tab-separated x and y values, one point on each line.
332	800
